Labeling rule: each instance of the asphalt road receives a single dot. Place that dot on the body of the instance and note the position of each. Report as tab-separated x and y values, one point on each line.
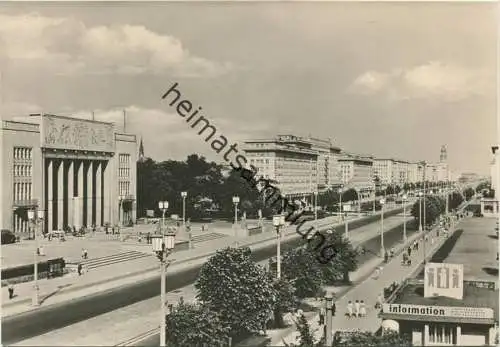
45	319
371	246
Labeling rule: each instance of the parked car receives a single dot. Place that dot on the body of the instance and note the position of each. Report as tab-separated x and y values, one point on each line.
8	237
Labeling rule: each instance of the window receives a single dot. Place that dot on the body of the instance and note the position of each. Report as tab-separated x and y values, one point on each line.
442	334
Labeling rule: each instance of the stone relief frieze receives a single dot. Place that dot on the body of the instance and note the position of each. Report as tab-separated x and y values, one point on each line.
77	135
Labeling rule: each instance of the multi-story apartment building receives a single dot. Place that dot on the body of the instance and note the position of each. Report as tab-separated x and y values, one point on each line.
287	160
298	165
412	172
383	169
399	172
357	173
327	166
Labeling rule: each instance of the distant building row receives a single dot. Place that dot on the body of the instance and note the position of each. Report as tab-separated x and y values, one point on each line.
300	166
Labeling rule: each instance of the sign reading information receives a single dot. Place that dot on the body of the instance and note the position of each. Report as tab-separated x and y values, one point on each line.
76	134
441	311
443	279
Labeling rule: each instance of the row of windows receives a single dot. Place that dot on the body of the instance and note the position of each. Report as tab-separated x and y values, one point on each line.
23	171
22	191
124	160
123	172
124	188
442	334
23	153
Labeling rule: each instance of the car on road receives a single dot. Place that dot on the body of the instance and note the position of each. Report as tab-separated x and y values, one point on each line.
8	237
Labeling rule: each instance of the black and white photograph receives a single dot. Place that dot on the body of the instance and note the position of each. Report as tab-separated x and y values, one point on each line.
249	173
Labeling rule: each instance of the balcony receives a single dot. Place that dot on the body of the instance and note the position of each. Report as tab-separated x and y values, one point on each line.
25	203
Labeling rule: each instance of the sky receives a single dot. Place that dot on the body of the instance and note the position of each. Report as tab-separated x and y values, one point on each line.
386	79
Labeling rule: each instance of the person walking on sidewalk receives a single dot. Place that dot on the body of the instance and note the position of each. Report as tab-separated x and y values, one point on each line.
11	291
409	251
362	309
80	268
357	307
322	313
349	309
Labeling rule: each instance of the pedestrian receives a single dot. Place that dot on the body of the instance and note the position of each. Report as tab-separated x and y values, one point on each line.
362	309
349	309
386	257
80	268
357	307
409	251
203	227
300	313
322	315
334	309
11	290
393	252
416	245
85	254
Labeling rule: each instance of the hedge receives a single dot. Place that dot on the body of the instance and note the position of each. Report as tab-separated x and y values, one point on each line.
29	269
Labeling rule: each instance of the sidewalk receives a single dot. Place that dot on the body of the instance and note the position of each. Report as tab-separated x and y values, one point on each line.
367	289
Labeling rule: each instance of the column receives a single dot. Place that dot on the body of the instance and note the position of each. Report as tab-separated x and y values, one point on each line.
50	192
98	193
426	335
90	196
70	192
78	200
106	183
459	335
60	195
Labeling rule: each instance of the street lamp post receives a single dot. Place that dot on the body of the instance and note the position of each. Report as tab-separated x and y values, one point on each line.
382	247
236	201
163	245
420	194
120	219
329	320
315	193
405	199
184	195
278	222
340	203
36	219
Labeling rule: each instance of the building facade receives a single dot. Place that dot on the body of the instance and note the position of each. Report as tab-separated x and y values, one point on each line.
298	166
412	173
468	320
79	172
357	173
383	169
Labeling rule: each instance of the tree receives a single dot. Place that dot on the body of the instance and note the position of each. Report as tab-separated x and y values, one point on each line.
406	187
434	206
390	190
366	338
195	325
328	199
343	261
397	189
306	336
455	200
301	266
483	185
469	193
232	285
350	195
